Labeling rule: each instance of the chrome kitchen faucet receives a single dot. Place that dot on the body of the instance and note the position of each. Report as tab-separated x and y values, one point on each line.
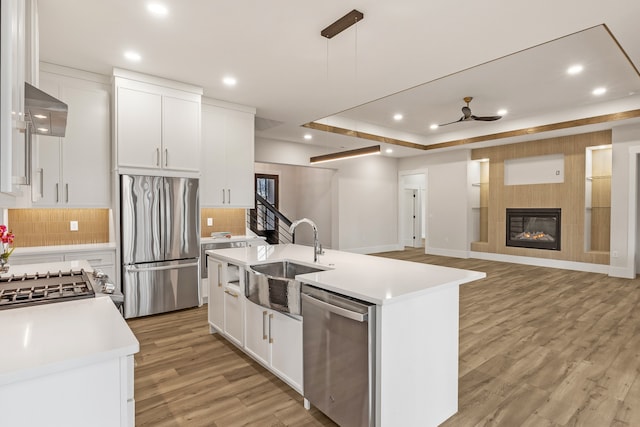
317	247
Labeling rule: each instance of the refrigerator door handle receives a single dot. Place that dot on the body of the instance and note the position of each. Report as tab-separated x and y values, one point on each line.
133	268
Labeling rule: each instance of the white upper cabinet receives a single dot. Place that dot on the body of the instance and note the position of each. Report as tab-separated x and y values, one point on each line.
227	155
18	60
74	171
157	124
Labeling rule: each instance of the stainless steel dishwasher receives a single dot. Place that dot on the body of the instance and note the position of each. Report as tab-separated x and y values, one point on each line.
339	356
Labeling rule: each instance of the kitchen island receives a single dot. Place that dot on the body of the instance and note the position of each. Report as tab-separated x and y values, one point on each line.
417	315
66	363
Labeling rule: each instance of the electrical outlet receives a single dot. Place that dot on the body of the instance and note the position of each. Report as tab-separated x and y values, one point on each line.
73	225
614	254
209	222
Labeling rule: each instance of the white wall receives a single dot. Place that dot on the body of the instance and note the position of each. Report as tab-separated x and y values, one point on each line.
305	192
368	204
364	195
447	201
624	190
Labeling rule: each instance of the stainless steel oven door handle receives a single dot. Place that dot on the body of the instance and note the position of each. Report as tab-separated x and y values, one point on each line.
134	269
359	317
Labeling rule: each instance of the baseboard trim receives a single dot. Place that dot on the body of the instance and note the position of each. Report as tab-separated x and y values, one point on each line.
454	253
375	249
543	262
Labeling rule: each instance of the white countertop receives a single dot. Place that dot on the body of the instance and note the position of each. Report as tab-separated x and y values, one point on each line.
48	338
374	279
64	248
229	239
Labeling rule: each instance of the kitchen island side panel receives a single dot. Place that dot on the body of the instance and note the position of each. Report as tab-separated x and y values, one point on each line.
417	367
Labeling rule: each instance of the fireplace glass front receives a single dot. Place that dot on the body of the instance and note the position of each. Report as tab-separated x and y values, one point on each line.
533	228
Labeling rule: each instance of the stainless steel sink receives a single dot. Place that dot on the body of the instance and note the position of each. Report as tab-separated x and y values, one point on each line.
273	285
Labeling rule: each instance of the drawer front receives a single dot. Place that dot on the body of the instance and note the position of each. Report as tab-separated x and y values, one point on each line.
35	259
95	258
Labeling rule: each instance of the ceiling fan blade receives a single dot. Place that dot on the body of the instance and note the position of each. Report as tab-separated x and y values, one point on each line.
486	118
450	123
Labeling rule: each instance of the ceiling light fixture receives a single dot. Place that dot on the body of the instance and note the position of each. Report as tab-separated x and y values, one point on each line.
434	126
132	56
308	136
158	9
342	24
397	117
502	112
229	81
599	91
388	151
575	69
350	154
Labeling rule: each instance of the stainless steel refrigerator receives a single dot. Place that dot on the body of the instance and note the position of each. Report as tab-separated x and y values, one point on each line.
160	243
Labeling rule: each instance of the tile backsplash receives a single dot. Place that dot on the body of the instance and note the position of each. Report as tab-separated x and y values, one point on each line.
224	219
50	227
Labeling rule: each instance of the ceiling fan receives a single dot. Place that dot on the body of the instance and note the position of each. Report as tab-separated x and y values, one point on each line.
467	116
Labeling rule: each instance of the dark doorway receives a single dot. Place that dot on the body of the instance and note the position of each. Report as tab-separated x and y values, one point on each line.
264	222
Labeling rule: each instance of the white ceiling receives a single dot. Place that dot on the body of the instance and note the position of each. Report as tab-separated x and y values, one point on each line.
293	75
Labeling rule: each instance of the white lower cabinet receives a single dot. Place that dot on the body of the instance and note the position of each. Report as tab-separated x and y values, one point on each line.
226	300
275	340
272	338
234	314
215	305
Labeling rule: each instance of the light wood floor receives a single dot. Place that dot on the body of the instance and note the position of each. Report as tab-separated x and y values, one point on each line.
538	347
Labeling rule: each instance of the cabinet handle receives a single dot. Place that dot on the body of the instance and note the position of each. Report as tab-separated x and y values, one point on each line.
66	186
157	156
41	172
229	195
270	337
166	157
223	199
219	275
57	195
264	334
227	291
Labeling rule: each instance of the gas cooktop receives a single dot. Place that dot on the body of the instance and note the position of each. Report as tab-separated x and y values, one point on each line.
42	288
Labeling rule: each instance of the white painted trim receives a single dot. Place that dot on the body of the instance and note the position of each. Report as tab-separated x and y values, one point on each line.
454	253
622	272
543	262
228	105
74	73
375	249
632	206
155	80
424	219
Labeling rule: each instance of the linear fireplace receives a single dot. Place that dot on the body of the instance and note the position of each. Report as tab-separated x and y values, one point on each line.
533	228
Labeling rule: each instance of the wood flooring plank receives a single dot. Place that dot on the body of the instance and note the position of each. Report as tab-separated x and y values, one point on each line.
539	347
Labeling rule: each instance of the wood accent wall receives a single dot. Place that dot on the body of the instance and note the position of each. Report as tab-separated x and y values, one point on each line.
568	196
232	220
50	227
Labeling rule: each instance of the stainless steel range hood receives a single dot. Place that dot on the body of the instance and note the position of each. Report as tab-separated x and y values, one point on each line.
47	115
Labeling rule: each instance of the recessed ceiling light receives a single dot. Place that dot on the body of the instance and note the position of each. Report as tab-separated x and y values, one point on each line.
229	81
308	136
599	91
397	117
575	69
434	126
158	9
132	56
388	151
502	112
